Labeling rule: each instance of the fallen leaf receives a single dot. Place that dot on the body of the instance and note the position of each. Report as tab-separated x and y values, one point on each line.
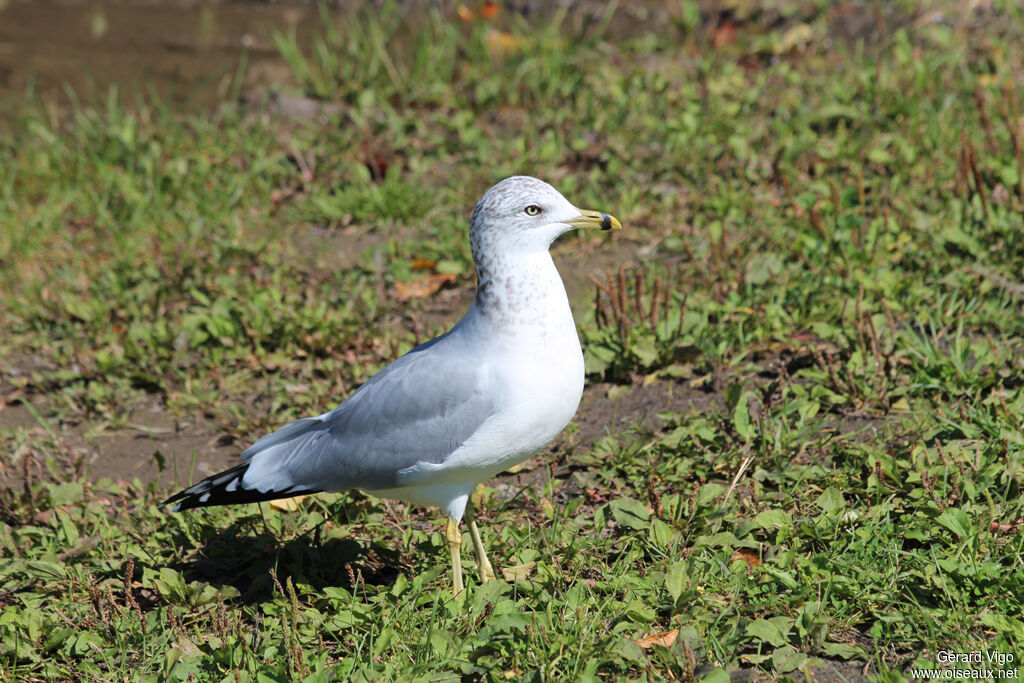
900	405
524	466
488	10
424	287
520	572
700	381
287	504
500	43
424	264
377	165
724	34
748	556
795	38
664	639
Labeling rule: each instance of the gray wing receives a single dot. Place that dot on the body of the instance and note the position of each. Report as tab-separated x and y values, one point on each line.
422	407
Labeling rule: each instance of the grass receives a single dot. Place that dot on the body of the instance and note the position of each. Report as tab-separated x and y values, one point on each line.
820	268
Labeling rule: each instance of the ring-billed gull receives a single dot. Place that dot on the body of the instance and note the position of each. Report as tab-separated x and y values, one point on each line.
457	410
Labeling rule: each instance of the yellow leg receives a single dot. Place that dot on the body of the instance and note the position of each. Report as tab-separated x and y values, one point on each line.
486	570
454	538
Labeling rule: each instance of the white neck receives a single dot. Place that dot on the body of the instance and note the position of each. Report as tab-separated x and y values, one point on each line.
527	299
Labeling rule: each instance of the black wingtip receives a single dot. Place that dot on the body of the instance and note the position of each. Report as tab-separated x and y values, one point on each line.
225	488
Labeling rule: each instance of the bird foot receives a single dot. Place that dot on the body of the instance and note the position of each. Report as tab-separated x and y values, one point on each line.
454	538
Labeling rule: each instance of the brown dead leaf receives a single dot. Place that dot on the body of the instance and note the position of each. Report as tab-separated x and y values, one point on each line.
724	34
520	572
665	639
697	382
797	37
377	165
488	10
500	43
748	556
424	264
524	466
424	287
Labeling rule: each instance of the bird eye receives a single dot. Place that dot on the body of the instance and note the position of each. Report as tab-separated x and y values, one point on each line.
532	210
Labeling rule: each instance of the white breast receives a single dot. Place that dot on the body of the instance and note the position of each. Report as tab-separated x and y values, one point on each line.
536	366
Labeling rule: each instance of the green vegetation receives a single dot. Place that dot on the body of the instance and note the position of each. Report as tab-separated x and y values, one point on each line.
820	267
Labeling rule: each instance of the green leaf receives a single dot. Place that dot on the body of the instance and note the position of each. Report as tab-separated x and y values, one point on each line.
723	539
843	651
646	352
637	610
51	569
773	519
663	535
831	502
628	650
1004	624
630	512
441	641
788	659
718	675
66	494
785	577
709	492
768	631
506	623
733	393
676	579
957	521
741	418
57	638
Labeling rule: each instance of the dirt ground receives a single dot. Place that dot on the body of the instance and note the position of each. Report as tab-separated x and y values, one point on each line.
188	51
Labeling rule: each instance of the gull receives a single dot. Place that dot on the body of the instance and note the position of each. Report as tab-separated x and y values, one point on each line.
456	410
